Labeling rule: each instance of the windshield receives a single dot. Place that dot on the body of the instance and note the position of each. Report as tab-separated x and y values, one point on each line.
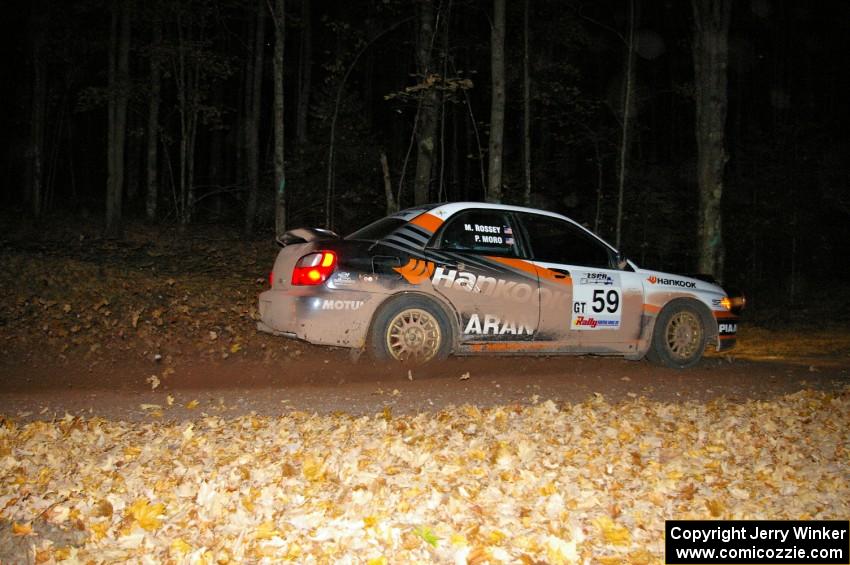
377	230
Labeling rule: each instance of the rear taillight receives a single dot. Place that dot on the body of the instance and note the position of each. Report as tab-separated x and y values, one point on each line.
314	268
271	279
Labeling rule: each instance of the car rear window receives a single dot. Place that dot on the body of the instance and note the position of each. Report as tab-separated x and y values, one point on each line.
377	230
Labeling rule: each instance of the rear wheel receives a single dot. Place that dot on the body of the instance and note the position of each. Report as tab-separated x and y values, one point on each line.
679	339
411	330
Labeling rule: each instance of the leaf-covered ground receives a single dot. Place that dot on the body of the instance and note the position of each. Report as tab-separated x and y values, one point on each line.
588	482
156	293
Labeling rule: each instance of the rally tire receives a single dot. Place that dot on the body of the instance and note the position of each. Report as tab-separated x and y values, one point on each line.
679	337
410	329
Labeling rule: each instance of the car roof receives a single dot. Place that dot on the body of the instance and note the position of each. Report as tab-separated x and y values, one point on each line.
449	208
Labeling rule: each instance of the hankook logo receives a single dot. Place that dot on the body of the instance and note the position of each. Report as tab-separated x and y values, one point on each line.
417	271
671	282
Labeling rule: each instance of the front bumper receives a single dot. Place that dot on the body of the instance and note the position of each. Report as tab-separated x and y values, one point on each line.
727	332
323	317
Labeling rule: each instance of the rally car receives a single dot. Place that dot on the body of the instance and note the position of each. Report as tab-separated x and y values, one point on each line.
470	278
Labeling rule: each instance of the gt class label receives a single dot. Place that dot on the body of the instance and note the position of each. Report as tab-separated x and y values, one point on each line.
596	308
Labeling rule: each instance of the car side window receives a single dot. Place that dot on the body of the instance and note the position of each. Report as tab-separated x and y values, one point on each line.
480	231
553	240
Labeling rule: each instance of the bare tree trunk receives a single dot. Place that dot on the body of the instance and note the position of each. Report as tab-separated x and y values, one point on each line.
35	188
627	117
442	191
599	182
305	74
253	122
711	53
119	55
392	205
497	105
132	169
526	105
426	132
186	76
279	163
152	195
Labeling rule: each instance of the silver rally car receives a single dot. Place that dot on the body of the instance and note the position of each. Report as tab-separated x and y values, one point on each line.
468	278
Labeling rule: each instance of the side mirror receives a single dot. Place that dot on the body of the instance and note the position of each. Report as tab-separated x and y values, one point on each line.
622	262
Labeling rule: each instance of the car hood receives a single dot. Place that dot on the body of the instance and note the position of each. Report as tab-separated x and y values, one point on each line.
659	280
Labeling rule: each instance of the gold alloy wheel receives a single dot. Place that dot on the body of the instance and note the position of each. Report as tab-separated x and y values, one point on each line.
413	335
683	335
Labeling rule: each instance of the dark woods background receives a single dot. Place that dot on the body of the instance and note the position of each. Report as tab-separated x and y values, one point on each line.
187	88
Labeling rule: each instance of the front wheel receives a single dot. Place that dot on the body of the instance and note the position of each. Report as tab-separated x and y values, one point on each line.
411	330
678	340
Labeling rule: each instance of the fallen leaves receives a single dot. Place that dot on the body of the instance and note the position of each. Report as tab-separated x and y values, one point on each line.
145	514
561	484
97	302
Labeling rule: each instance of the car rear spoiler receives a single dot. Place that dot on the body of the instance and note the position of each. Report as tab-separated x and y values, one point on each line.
305	235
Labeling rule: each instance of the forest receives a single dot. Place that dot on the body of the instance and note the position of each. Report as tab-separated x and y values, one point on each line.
696	136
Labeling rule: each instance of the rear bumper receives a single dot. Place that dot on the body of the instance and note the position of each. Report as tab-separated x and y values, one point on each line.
323	317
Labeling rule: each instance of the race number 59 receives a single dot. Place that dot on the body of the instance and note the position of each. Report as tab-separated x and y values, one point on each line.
605	300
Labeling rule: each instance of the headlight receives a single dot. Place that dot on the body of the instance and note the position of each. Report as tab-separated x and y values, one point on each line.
735	301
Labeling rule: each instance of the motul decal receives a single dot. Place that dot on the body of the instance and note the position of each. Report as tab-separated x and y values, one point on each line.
328	304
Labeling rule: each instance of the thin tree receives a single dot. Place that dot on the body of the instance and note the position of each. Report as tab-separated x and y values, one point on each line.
152	194
711	54
526	104
392	205
186	75
278	16
426	131
305	74
627	118
35	186
497	105
252	126
119	54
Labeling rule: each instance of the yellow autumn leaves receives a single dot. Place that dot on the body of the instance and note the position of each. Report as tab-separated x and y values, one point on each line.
146	515
544	483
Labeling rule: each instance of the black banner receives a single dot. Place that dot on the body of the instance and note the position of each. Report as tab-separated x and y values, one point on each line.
694	542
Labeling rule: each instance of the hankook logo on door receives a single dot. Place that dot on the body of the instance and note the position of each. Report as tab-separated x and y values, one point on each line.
671	282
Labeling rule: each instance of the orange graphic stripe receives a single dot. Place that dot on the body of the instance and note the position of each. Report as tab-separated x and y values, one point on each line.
532	269
651	308
728	337
427	221
510	346
719	314
416	271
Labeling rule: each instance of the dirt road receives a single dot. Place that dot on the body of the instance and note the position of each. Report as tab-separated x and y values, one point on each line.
326	381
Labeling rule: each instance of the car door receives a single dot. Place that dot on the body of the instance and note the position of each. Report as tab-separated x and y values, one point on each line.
480	269
603	304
